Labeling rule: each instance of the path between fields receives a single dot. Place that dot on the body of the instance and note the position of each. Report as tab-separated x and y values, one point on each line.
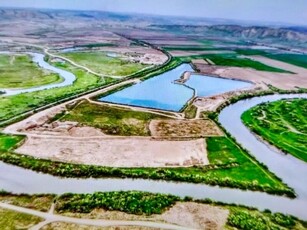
46	51
50	217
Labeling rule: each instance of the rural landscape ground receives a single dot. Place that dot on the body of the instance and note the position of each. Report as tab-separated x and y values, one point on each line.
109	121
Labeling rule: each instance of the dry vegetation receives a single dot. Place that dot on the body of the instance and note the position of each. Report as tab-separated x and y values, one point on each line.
184	128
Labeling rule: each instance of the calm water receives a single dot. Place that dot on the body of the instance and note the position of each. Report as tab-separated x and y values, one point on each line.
208	86
158	92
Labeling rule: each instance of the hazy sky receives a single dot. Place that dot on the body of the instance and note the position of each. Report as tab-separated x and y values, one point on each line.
290	11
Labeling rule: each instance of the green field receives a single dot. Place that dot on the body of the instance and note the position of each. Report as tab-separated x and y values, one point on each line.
294	59
244	168
15	220
14	105
111	120
19	71
282	123
230	167
101	63
233	60
228	59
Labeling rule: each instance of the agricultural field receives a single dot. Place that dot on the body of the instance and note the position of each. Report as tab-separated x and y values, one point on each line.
282	123
291	58
19	71
294	59
233	60
101	63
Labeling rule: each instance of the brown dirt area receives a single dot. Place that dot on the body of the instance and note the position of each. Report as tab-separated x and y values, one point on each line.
209	104
117	152
199	216
180	53
184	128
70	226
262	78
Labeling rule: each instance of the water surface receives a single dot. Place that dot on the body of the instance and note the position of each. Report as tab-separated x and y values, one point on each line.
159	92
208	86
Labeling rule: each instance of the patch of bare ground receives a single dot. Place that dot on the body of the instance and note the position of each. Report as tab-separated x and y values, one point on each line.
199	216
63	128
70	226
184	128
180	53
117	152
100	213
199	62
210	104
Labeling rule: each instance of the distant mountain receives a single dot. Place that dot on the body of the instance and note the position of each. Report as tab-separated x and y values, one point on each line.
216	28
288	34
256	32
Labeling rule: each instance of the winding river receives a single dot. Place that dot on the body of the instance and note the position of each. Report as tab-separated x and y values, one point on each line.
291	170
38	58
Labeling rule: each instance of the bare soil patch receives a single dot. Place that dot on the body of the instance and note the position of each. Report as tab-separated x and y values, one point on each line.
71	226
117	152
181	53
184	128
199	216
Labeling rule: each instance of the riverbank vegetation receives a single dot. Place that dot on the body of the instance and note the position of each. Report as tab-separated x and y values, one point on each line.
101	63
145	203
130	202
240	172
111	120
19	71
282	123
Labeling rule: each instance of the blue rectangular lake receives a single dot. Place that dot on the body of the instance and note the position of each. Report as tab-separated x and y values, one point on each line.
161	92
